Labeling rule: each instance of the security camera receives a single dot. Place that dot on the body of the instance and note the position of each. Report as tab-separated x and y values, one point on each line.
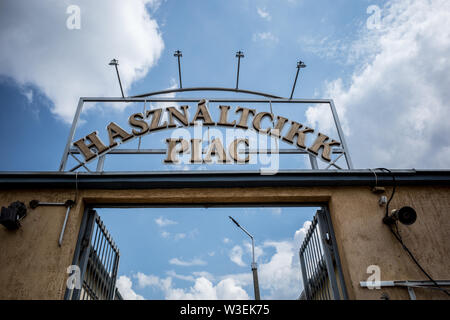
405	215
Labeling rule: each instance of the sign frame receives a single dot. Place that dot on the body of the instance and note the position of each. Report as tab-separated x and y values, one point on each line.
149	97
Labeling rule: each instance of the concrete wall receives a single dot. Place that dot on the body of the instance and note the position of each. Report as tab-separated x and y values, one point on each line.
33	266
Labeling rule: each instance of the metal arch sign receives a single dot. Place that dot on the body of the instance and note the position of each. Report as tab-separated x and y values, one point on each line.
241	117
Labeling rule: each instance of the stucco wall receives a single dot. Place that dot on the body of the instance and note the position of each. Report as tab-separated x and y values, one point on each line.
33	266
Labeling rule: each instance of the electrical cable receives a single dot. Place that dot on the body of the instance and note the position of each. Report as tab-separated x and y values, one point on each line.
399	238
393	189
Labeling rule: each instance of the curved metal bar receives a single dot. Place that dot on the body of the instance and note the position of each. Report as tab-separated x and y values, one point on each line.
267	95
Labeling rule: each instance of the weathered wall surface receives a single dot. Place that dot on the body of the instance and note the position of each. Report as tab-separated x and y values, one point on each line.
364	240
33	266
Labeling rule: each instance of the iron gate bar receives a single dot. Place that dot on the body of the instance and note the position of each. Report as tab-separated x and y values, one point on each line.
97	256
328	255
76	257
82	262
319	261
337	258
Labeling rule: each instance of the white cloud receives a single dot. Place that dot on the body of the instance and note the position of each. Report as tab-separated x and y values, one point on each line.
203	288
203	274
263	13
193	262
28	93
228	289
395	106
163	222
236	255
268	37
258	250
165	234
173	274
38	49
179	236
280	276
124	285
146	280
300	235
226	240
326	47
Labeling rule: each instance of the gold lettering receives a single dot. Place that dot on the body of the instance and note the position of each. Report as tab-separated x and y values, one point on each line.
224	116
234	151
154	125
276	131
182	117
196	151
137	120
202	114
172	152
85	149
244	116
295	131
114	131
257	121
216	148
321	143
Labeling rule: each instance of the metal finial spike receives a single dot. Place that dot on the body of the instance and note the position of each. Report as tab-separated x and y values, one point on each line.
300	65
239	55
179	54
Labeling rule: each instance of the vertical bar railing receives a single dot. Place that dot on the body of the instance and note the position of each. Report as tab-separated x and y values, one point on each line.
98	258
319	261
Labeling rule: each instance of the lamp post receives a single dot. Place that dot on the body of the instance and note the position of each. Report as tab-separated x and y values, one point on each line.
254	266
239	55
115	63
178	54
300	65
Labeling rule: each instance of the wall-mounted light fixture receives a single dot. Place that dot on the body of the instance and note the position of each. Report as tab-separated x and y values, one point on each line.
10	217
405	215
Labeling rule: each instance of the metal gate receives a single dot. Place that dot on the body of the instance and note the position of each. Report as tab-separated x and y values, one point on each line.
97	257
319	260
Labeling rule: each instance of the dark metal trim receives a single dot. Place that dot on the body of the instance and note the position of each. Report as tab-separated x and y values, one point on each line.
267	95
212	179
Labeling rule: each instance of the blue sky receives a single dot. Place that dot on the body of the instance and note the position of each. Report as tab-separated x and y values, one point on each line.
198	253
385	64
